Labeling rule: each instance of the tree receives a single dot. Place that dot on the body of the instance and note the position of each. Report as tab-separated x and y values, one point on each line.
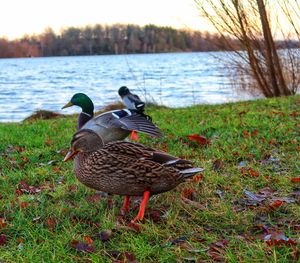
48	42
260	66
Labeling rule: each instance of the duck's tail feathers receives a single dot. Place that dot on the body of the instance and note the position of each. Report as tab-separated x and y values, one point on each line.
190	172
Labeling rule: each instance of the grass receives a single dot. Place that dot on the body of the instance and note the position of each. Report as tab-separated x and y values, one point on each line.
253	145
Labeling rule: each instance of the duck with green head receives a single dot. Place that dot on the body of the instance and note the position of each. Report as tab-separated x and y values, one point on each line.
112	125
85	103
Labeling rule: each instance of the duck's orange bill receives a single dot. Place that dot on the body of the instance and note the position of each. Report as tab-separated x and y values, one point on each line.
70	155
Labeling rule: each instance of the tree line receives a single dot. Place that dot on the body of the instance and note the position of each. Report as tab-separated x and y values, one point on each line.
113	39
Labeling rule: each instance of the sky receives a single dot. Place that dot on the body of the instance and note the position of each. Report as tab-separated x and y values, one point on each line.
19	17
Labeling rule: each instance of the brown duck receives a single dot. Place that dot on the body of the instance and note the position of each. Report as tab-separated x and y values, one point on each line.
126	168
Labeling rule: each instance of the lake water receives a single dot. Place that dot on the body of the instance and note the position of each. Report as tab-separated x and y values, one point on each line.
175	80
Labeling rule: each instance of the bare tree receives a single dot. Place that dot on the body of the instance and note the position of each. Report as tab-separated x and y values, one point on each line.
291	9
260	66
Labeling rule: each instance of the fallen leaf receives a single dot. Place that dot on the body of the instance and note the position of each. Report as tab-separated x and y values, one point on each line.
295	180
253	197
276	204
249	171
254	133
197	178
25	159
51	224
176	241
200	140
246	133
2	223
266	192
129	257
130	227
285	199
25	188
48	142
188	193
3	239
253	173
218	165
93	198
155	215
193	203
122	256
278	238
277	112
217	249
82	247
56	169
135	227
294	114
104	235
20	240
215	256
24	204
89	240
220	243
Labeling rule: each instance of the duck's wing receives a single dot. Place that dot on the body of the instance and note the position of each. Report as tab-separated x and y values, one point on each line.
134	102
140	123
124	119
142	152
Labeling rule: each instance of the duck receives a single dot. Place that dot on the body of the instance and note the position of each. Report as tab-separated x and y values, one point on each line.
130	100
133	103
126	168
87	106
112	125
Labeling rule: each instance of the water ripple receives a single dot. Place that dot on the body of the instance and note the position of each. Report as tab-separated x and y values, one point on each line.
175	80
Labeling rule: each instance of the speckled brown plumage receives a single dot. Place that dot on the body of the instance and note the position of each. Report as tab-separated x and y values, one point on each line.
126	168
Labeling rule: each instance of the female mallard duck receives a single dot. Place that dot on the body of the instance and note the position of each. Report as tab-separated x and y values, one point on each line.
126	168
112	125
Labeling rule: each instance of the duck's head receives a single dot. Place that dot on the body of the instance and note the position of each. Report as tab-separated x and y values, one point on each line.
123	91
84	141
83	101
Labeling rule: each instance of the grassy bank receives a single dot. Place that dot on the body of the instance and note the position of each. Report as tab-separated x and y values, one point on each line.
243	208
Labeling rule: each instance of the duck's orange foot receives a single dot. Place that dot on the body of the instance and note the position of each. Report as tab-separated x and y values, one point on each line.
141	213
125	207
134	136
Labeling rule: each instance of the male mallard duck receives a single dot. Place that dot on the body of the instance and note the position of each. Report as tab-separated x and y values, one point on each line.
133	102
87	106
112	125
126	168
130	100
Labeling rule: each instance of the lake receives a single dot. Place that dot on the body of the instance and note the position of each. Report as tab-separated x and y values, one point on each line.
173	79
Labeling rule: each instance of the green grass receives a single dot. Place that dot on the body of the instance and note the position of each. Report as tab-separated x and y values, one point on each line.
245	133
